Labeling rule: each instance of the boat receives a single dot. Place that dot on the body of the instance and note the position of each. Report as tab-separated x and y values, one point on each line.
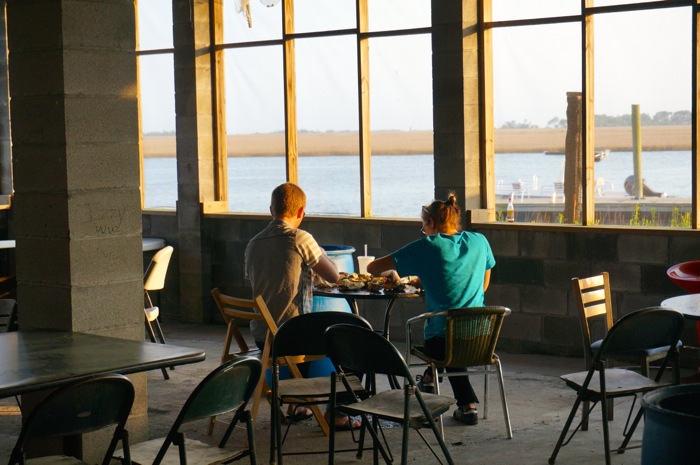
600	155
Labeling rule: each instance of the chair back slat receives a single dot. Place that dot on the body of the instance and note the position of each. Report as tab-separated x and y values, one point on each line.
593	299
472	334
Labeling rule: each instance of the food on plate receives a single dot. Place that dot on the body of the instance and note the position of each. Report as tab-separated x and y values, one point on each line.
357	281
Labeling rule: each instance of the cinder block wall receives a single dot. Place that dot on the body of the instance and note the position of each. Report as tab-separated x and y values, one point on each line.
532	276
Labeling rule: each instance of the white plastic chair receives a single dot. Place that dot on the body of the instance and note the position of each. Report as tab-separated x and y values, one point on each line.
154	280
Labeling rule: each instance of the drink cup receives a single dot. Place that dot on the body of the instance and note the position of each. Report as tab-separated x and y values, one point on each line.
362	262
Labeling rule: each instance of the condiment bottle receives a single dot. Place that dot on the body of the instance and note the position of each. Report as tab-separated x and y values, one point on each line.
510	211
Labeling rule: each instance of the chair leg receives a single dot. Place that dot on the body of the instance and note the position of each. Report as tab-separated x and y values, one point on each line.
152	337
606	429
433	427
504	401
486	392
565	430
436	390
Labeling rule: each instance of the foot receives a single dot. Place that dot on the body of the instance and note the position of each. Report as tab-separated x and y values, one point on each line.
467	415
297	414
343	422
425	383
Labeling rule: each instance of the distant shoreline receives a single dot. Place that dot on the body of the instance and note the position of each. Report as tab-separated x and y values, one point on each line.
654	138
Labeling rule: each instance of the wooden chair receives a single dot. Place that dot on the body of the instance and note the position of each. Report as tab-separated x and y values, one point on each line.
471	336
594	302
648	328
231	309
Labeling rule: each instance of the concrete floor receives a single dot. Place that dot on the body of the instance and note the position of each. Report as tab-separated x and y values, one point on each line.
538	402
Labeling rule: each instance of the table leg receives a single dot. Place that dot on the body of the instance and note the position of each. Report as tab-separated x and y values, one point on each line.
353	305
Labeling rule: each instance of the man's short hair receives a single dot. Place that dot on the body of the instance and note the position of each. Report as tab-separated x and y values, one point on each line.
287	199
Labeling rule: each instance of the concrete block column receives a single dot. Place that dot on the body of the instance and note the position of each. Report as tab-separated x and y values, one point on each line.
456	100
74	111
196	152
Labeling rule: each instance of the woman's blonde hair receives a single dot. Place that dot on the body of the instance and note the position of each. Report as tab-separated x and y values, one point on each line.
287	199
445	214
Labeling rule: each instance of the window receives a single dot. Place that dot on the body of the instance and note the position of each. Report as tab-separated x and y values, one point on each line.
639	64
157	103
294	109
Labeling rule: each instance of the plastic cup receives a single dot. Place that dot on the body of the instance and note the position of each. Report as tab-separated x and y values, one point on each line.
362	262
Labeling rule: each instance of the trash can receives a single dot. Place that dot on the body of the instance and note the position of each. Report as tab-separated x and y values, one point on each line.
342	256
672	426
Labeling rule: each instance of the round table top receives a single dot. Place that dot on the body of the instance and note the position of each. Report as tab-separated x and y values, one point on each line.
148	243
688	305
409	292
152	243
7	244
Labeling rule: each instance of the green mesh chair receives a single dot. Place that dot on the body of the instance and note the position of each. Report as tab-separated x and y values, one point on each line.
229	387
470	341
84	406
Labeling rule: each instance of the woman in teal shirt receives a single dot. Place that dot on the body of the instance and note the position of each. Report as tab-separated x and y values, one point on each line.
454	268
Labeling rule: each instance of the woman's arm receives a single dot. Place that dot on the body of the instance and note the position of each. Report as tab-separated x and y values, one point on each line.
487	279
380	265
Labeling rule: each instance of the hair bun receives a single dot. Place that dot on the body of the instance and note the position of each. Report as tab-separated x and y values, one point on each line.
451	200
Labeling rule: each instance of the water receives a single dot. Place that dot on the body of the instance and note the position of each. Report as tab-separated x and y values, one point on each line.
402	183
667	172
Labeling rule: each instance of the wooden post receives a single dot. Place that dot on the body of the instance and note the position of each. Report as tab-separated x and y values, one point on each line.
573	155
637	152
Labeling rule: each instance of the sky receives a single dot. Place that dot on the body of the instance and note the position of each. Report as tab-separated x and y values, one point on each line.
641	58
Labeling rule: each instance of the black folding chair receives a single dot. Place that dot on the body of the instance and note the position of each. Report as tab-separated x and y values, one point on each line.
646	328
360	350
81	407
302	336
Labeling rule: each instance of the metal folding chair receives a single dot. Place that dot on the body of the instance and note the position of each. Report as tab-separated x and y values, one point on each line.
646	328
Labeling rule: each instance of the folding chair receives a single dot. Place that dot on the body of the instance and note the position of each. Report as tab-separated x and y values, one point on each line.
594	303
84	406
297	338
360	350
643	329
233	308
154	280
470	341
227	388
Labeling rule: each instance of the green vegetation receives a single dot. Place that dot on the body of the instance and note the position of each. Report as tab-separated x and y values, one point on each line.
661	118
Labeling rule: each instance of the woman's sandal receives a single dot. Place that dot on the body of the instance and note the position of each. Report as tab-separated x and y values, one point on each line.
468	417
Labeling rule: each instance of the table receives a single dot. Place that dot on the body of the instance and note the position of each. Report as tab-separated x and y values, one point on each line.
33	360
353	296
688	305
147	244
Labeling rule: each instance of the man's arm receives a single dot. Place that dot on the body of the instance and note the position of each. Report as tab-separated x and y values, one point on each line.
326	269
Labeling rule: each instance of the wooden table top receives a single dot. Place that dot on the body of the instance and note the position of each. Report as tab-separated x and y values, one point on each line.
39	359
